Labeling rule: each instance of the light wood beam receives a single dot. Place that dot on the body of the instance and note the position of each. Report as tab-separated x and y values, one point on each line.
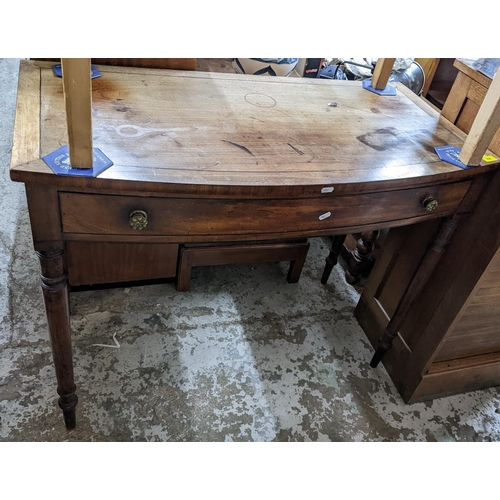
382	72
429	65
77	86
484	127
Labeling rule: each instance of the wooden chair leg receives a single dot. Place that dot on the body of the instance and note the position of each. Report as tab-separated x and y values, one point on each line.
296	265
360	261
183	271
333	257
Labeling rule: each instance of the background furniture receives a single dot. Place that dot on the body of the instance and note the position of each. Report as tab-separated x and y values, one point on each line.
449	341
439	77
466	96
210	255
458	86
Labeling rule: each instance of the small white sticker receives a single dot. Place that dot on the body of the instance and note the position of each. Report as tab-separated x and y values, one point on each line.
327	190
325	216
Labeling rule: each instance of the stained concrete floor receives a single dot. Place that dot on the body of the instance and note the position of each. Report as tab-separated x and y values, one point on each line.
242	356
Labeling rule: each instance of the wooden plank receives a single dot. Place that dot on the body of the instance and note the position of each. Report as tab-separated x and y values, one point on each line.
464	66
468	374
26	137
456	97
178	63
130	138
429	65
484	127
476	330
77	87
115	262
157	130
467	116
477	93
382	72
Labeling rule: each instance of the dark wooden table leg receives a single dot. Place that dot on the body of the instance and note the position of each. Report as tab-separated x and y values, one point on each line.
184	267
55	295
422	274
333	256
360	261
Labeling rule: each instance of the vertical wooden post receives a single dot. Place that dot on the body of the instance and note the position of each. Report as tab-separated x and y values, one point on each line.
484	127
429	65
428	263
77	87
382	72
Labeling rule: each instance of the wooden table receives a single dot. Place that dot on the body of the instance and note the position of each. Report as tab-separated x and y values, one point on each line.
225	158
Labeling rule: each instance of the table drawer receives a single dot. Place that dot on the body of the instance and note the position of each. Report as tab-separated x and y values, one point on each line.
106	214
91	263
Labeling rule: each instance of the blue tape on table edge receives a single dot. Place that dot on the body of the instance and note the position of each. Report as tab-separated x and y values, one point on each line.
450	154
94	71
389	89
58	161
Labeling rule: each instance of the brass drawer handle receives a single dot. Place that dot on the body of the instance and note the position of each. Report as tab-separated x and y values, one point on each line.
430	204
138	219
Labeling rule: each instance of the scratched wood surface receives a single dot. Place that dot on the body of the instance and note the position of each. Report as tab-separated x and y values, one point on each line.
212	128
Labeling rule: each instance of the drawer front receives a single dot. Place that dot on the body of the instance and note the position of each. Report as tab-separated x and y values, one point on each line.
107	214
119	262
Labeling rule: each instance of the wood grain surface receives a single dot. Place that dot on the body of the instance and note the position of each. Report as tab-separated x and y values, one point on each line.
108	215
382	72
26	137
77	88
179	127
484	127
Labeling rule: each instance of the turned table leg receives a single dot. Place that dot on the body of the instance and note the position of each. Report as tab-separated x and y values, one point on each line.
422	274
360	260
55	295
333	256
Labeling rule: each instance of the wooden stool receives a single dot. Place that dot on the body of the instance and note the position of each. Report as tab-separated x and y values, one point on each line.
212	255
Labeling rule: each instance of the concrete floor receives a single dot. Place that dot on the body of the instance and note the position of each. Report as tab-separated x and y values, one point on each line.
242	356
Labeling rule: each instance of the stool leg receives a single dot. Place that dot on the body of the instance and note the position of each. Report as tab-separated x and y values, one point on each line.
296	266
361	261
184	270
333	256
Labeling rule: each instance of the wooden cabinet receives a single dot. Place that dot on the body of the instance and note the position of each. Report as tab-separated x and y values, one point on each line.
466	96
450	340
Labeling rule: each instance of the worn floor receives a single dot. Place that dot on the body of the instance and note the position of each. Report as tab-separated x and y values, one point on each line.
242	356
